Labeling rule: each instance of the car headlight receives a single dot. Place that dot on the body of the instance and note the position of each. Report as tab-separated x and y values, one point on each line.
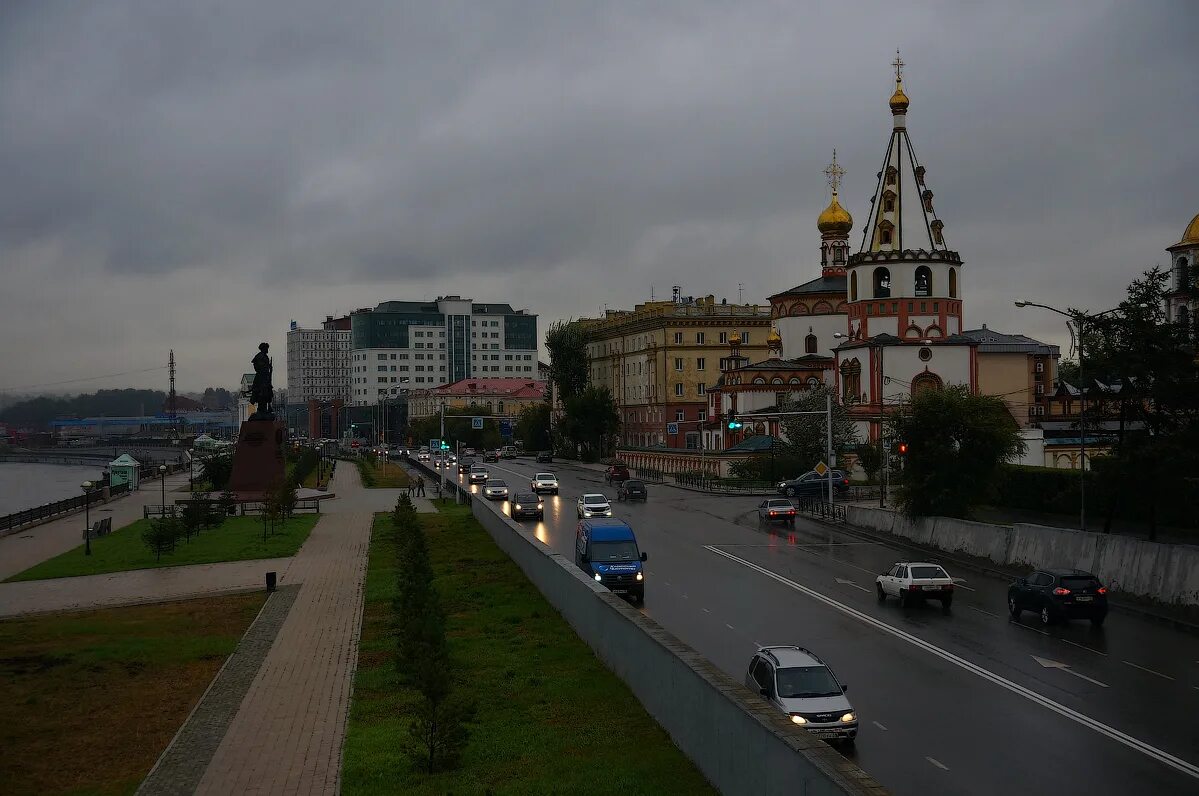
798	720
848	717
640	576
597	577
540	505
517	507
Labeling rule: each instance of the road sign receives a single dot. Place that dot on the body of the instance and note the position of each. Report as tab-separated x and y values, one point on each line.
505	428
476	423
434	444
672	428
821	468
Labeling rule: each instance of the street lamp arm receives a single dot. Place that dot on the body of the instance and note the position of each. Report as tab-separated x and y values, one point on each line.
1063	313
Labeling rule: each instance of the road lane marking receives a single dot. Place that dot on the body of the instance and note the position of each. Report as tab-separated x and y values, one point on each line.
666	582
1026	627
981	611
957	584
1143	669
1085	647
844	582
876	724
706	611
730	627
937	763
1044	701
1049	664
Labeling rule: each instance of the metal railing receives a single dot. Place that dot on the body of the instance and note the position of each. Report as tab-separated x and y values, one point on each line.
65	506
710	483
834	512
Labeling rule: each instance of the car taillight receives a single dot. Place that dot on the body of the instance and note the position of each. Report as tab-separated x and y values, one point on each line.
913	587
1102	590
1060	592
772	514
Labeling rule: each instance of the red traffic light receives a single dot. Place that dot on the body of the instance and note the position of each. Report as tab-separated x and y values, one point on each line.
903	448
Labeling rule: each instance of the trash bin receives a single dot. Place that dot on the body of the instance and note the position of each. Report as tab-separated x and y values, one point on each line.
270	581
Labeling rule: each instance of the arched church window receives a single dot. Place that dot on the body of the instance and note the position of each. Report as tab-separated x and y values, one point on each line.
1184	276
813	382
853	286
889	201
892	175
938	232
809	344
776	380
1184	318
885	237
953	283
759	380
882	283
926	381
924	281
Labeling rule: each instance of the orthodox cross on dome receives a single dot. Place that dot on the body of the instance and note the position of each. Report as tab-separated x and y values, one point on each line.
898	64
834	172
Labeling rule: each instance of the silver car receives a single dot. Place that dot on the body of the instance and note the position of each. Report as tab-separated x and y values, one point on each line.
593	505
798	683
479	474
495	489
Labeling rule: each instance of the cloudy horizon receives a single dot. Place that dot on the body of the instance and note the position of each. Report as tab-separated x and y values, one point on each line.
196	177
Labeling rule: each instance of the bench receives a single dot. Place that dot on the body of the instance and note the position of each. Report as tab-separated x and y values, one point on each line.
99	528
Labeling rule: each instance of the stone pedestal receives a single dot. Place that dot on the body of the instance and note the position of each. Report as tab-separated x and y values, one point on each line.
258	458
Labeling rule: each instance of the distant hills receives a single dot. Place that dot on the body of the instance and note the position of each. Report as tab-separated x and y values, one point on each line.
37	412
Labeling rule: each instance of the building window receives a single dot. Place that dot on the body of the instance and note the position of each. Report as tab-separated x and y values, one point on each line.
678	390
882	283
745	338
678	338
678	364
699	363
953	283
809	344
724	338
924	281
699	338
853	286
701	388
680	416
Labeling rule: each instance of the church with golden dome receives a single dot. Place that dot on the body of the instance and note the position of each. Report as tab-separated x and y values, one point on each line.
1183	305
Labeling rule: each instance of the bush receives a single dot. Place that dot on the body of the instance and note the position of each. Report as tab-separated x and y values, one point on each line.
161	535
305	463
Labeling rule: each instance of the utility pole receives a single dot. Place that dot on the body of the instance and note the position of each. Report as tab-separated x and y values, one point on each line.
828	409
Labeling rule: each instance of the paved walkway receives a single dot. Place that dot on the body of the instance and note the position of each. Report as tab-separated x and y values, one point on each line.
23	549
136	586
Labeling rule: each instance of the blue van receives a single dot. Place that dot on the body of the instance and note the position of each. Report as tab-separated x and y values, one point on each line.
606	549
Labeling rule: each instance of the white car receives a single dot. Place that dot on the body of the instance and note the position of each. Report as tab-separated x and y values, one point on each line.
913	581
544	482
479	474
593	505
423	456
495	489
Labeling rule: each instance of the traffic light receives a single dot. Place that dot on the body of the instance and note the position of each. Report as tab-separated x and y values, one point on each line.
733	422
903	449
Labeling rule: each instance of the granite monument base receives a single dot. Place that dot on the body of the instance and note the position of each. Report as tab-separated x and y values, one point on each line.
258	458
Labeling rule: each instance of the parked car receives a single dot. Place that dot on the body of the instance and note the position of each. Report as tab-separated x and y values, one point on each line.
495	489
465	465
801	685
913	581
617	472
812	484
527	504
544	482
774	510
632	489
545	457
508	452
606	549
478	474
490	457
593	505
1059	594
470	452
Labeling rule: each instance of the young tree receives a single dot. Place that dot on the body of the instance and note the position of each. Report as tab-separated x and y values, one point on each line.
566	342
228	504
533	427
870	457
194	516
807	435
286	499
161	535
592	420
956	443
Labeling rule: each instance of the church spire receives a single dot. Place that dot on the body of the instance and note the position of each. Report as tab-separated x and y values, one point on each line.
834	224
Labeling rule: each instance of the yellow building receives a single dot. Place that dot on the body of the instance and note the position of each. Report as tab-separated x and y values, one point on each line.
659	359
1016	368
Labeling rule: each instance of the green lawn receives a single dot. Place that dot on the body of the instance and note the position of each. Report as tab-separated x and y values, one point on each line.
89	700
381	476
551	718
237	539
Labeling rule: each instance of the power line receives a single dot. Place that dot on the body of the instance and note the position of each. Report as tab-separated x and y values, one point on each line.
87	378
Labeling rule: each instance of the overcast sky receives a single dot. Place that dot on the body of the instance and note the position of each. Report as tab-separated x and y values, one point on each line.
196	175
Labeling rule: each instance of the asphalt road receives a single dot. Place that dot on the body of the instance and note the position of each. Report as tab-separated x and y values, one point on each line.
966	702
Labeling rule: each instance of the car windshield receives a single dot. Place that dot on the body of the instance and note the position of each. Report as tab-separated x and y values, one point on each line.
594	500
779	504
929	572
496	482
526	497
633	485
477	469
1080	582
613	551
806	681
544	476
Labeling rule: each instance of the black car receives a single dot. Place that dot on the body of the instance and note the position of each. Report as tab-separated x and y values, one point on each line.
490	456
632	489
545	457
812	484
526	504
464	466
1058	594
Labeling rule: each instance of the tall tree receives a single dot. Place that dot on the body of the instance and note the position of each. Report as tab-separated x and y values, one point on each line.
956	443
591	421
566	342
533	427
807	435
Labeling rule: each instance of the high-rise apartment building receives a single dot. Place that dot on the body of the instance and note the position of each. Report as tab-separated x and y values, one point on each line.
318	361
403	345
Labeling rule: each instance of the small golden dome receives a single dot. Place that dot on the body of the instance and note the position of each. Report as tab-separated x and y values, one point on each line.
735	338
1192	233
899	100
835	218
774	336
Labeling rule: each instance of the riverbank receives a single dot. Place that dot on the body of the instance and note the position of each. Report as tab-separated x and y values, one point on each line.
25	486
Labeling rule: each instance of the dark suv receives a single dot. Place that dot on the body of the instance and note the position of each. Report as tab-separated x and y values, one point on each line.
811	484
1058	594
632	489
545	457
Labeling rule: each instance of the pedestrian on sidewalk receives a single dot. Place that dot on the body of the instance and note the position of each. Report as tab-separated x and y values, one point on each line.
411	487
420	486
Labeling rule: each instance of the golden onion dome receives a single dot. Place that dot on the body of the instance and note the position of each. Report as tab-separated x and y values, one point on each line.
735	338
835	218
899	100
1192	233
774	339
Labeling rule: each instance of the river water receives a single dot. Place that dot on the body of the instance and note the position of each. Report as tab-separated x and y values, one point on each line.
24	486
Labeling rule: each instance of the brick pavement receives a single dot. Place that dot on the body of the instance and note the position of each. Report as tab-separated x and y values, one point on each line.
288	734
21	550
136	586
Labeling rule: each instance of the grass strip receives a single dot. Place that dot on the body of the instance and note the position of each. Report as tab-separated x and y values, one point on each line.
236	539
551	718
89	700
386	476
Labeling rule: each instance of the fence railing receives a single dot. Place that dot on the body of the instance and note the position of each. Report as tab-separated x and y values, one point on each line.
710	483
65	506
821	508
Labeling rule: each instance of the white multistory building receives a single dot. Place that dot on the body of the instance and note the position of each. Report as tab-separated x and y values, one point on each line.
318	362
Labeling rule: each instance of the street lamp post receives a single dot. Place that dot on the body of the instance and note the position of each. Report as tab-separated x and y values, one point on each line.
87	520
162	471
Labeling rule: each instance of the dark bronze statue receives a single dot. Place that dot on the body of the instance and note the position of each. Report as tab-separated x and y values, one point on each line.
262	395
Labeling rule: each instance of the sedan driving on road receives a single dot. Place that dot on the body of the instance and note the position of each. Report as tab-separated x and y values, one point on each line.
632	489
526	504
545	457
495	489
594	505
1059	594
798	683
915	581
491	457
478	474
775	510
544	482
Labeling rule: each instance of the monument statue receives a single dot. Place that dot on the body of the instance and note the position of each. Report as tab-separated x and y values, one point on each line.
262	395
